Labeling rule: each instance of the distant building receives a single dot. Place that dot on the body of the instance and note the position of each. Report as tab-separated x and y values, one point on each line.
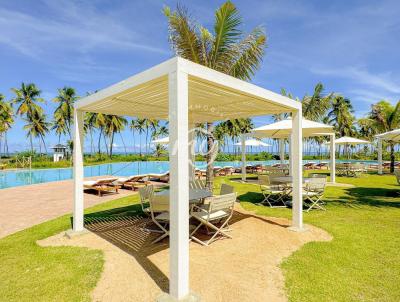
59	152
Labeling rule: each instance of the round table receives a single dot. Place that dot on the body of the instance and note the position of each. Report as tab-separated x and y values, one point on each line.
194	194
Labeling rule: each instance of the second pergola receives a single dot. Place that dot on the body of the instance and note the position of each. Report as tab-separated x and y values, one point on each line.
284	129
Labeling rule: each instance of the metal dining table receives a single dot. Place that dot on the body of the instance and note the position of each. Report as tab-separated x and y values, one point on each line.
287	179
194	195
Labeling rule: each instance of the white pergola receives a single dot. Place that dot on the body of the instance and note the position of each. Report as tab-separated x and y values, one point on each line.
283	130
393	136
184	93
163	141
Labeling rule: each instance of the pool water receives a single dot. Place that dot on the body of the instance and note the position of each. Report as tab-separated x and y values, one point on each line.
27	177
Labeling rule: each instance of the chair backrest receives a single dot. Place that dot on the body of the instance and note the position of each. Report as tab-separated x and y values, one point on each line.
264	180
146	195
226	189
316	184
159	203
317	175
222	202
197	184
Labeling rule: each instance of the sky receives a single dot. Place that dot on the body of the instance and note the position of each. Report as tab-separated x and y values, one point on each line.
352	47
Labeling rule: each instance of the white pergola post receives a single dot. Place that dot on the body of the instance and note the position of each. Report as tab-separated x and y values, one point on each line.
78	171
179	185
380	161
243	141
290	155
333	159
297	170
282	150
192	153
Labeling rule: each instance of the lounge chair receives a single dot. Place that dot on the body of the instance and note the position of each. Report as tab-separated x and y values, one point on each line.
273	193
133	182
101	185
312	193
163	177
159	212
229	170
309	165
321	166
219	209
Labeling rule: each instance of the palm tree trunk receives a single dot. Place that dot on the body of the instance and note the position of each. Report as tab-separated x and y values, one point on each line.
123	143
111	144
44	144
391	157
99	141
30	139
209	157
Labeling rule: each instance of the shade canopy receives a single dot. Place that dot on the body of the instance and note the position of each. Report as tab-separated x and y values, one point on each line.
164	141
393	136
253	143
350	141
212	95
282	129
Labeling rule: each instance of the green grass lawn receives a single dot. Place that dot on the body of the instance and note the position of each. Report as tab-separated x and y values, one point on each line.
361	263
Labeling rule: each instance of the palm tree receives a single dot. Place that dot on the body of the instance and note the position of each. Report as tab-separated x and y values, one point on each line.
139	126
6	121
159	150
37	126
224	49
64	113
386	117
27	98
113	124
316	105
341	116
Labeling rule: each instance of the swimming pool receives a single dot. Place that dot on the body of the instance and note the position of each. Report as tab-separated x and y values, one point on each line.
26	177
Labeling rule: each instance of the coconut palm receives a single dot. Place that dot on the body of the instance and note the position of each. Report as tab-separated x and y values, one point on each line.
64	113
89	126
139	126
6	121
316	105
224	48
37	126
159	150
27	98
386	117
113	124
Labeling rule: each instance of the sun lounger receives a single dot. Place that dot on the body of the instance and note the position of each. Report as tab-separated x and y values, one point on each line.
163	177
134	182
102	185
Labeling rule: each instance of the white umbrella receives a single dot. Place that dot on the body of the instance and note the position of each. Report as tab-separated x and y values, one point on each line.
253	143
164	140
347	140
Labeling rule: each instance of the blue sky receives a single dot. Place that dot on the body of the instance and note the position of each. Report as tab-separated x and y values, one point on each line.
352	47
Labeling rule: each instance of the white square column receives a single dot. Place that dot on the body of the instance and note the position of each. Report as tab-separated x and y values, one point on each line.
290	155
179	185
192	153
297	170
380	160
282	150
333	158
78	171
243	147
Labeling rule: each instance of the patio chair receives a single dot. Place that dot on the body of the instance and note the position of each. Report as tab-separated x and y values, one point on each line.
146	194
313	192
220	209
101	185
273	193
134	182
397	174
159	213
341	170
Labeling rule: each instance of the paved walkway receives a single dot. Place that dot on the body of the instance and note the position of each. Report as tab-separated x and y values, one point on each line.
25	206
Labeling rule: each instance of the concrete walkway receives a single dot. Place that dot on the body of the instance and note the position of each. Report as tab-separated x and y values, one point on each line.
26	206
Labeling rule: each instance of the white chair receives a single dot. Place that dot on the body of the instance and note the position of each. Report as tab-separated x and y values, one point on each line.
159	212
313	192
272	193
146	194
219	209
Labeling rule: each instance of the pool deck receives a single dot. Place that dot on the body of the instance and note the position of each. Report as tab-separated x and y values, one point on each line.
26	206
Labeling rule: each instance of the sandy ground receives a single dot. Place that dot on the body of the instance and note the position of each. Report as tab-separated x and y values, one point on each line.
245	268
